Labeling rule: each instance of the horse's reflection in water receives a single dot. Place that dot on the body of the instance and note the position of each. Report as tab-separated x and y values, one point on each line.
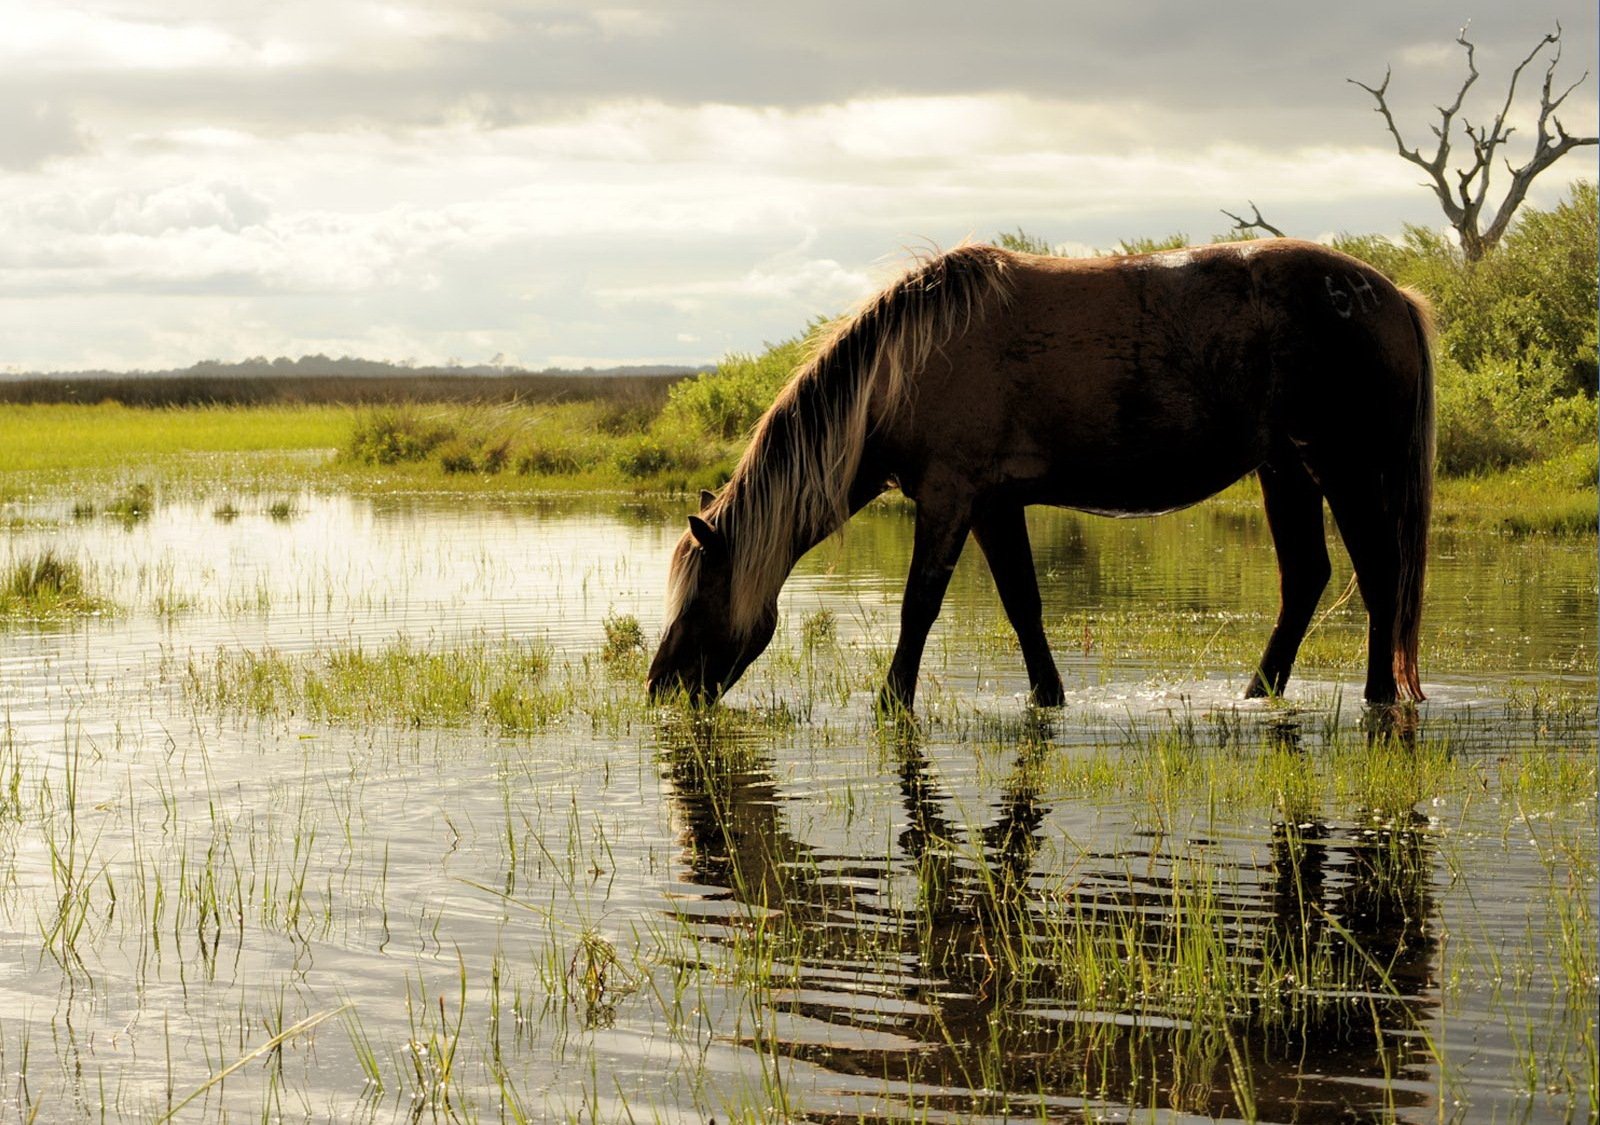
948	994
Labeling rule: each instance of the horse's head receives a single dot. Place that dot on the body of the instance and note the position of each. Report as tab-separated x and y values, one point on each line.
703	649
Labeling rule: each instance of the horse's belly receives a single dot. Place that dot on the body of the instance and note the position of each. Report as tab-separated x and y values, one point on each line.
1128	482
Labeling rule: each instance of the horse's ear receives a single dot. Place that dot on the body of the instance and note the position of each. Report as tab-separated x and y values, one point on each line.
709	538
706	496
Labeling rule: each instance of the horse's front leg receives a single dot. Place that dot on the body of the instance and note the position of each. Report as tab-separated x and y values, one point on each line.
941	533
1002	533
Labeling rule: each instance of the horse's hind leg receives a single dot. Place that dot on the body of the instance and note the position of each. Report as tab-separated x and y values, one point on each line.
1294	513
1002	533
1356	501
941	532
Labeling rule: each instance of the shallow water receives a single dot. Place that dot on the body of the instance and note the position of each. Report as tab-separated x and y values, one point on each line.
629	914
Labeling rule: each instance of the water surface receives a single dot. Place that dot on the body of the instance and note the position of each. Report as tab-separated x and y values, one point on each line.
629	913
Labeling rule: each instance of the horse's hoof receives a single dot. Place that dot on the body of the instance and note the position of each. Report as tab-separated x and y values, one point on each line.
1260	689
1049	695
892	703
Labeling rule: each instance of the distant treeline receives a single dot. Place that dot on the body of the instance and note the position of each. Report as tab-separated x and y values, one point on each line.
319	379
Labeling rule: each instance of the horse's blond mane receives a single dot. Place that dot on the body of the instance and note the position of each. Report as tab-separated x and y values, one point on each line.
791	487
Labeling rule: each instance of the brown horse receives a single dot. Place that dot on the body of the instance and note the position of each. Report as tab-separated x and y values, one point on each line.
985	381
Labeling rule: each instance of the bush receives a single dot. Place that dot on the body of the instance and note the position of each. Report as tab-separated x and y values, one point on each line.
458	456
1477	429
1516	354
726	403
650	456
389	435
551	457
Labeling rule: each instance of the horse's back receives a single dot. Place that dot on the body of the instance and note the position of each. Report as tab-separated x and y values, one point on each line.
1144	382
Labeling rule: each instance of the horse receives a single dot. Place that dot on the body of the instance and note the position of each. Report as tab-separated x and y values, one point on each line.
984	380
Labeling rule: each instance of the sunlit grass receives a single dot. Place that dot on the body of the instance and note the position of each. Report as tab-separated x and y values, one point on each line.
546	447
46	586
1145	954
109	437
398	683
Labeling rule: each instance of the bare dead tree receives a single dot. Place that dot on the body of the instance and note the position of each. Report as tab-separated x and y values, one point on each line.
1241	224
1464	202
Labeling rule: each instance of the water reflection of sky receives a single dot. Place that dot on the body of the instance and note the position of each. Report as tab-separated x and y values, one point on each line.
434	849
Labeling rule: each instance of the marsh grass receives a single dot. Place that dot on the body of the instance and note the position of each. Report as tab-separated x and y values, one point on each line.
519	447
134	505
624	639
1171	962
46	587
389	434
1174	975
1156	912
281	510
1190	642
397	683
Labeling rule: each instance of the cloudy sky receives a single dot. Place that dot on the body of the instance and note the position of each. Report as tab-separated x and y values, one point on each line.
563	185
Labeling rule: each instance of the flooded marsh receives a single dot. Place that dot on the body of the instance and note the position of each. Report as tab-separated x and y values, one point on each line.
344	809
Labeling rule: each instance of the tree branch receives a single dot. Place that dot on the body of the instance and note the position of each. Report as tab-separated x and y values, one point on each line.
1258	223
1464	203
1547	149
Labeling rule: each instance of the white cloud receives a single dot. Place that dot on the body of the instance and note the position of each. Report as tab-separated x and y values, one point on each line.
44	37
464	177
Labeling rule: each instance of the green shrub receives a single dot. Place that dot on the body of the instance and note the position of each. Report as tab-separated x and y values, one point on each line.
1516	353
552	457
389	435
1476	430
725	404
651	455
458	456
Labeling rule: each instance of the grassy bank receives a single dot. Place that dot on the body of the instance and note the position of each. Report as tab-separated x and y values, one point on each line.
1515	361
91	455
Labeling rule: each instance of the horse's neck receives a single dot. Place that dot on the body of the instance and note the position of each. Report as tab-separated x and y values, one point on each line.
784	523
870	483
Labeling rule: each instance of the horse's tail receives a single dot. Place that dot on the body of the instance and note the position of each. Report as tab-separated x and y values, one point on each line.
1415	505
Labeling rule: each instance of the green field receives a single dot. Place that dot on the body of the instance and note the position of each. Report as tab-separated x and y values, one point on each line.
91	455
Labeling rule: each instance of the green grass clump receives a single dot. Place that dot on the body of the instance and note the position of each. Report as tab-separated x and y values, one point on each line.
133	505
1554	496
400	683
393	434
724	404
46	586
624	638
279	511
